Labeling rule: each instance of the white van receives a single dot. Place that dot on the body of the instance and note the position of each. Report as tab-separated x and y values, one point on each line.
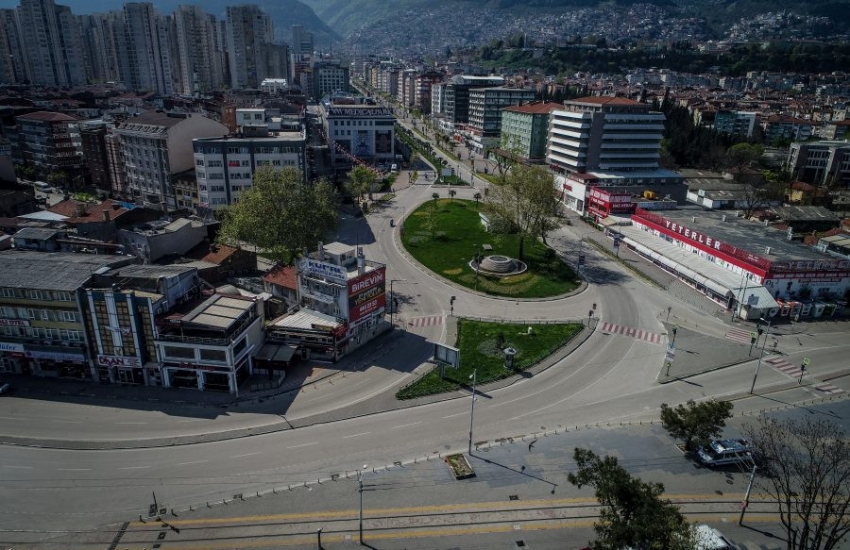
42	186
394	168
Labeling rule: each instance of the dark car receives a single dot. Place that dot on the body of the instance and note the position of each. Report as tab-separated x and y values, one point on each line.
5	388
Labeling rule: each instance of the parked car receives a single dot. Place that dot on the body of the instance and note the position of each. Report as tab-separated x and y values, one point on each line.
726	452
709	538
5	388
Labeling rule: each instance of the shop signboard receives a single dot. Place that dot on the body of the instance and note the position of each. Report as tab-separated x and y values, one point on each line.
118	361
366	294
6	346
14	323
54	356
328	271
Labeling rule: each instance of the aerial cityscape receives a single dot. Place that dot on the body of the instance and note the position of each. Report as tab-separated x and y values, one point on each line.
424	274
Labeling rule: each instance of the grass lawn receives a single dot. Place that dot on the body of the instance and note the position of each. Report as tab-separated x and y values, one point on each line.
480	350
444	235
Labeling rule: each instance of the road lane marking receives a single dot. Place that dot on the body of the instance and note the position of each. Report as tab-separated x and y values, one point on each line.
247	454
303	445
131	423
66	421
17	467
73	469
134	468
355	435
12	418
192	462
453	415
406	425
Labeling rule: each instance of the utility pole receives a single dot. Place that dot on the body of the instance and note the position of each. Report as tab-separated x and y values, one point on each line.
761	354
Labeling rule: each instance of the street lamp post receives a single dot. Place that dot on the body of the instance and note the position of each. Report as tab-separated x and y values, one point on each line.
761	354
472	407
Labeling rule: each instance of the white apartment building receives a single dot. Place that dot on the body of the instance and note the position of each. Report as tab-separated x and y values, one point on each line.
605	133
156	146
225	166
365	131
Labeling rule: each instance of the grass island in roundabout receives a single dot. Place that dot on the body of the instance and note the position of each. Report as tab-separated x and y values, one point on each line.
444	235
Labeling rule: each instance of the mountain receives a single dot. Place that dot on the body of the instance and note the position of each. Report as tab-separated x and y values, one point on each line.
349	16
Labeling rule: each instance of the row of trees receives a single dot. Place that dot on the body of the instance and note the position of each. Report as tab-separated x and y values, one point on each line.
808	477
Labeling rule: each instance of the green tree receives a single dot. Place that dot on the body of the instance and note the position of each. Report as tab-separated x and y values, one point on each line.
360	182
809	463
633	514
477	197
525	199
280	214
452	194
742	157
57	178
695	422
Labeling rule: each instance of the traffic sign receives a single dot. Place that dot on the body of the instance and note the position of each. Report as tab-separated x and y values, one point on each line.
806	361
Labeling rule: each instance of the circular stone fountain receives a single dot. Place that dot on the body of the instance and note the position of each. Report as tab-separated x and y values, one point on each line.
498	266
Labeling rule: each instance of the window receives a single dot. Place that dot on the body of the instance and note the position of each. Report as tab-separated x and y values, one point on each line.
62	296
199	162
217	355
179	353
67	316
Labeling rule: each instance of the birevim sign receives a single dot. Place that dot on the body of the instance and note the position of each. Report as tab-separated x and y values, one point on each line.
367	294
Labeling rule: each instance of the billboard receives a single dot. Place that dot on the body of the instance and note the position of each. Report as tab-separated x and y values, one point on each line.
367	294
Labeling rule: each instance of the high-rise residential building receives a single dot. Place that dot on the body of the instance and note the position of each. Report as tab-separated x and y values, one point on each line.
199	54
249	30
52	50
605	133
302	40
154	148
100	45
93	140
13	68
147	63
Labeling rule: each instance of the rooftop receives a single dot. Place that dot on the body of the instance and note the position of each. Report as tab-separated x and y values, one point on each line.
747	235
150	271
606	100
805	213
285	276
47	116
540	108
219	311
56	271
36	233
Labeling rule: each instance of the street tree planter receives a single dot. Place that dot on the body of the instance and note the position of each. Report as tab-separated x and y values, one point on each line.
459	466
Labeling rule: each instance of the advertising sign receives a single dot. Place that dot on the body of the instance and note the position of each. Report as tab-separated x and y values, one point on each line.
5	346
366	294
14	323
331	272
54	356
118	361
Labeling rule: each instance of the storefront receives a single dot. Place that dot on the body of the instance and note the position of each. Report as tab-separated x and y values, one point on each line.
206	377
57	362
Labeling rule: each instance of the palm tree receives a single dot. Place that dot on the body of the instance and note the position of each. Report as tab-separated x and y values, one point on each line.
452	194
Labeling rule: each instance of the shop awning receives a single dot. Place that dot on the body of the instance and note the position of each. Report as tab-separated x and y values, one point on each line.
276	353
755	296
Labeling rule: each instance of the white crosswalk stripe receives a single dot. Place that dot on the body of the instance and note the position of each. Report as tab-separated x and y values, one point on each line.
782	365
739	335
427	321
632	332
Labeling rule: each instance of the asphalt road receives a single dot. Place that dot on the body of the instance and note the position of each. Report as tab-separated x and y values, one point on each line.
610	380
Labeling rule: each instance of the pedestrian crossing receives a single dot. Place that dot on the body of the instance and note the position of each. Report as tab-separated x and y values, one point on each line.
426	321
739	335
632	332
782	365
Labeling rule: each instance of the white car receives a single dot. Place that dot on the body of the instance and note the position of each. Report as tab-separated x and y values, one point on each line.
709	538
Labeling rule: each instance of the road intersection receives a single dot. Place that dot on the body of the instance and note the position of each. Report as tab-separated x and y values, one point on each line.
339	422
